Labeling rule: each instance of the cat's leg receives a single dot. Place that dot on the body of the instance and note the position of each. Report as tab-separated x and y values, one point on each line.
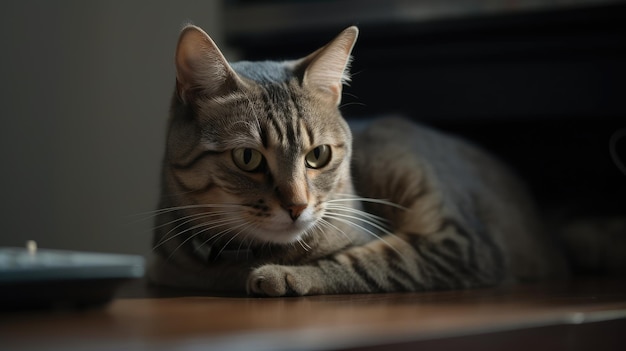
447	259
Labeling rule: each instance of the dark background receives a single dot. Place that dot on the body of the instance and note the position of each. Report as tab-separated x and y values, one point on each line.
543	88
85	95
87	86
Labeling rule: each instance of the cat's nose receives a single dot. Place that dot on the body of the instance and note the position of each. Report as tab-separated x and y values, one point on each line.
295	210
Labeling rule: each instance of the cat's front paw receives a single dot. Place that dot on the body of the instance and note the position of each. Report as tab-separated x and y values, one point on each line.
276	280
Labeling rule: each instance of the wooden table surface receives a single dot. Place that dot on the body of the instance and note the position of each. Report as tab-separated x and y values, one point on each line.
573	315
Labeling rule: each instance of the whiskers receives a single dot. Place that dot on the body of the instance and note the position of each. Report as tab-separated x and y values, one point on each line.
211	230
340	210
355	198
213	223
303	244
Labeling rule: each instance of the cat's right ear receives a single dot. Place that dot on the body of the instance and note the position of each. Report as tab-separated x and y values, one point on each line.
201	69
327	69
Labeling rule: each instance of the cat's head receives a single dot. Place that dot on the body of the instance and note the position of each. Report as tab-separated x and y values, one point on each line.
256	149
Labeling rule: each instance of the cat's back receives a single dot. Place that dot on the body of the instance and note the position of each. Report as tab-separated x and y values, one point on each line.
440	177
397	147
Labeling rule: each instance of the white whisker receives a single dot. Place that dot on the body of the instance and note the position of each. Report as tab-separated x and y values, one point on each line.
363	216
187	219
241	245
154	213
367	230
374	218
352	223
304	245
322	221
220	234
366	199
244	225
206	227
191	218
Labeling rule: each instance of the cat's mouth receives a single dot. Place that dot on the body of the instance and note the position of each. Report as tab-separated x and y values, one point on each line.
281	231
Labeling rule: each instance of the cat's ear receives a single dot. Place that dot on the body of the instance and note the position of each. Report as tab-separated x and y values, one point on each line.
327	69
201	69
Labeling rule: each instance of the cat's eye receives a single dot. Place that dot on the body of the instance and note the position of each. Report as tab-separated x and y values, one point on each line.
247	159
318	157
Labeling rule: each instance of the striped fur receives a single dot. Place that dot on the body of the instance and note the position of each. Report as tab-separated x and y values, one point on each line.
399	208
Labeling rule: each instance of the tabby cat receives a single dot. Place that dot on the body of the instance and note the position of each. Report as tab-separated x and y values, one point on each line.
266	192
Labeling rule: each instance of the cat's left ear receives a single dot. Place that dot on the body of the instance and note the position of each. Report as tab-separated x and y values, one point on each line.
327	69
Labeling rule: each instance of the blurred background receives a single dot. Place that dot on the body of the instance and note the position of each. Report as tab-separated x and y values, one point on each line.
86	89
85	96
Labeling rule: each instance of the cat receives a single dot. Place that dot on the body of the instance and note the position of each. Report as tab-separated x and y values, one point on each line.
265	190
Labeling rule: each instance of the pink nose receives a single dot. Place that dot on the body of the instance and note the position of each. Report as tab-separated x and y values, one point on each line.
295	210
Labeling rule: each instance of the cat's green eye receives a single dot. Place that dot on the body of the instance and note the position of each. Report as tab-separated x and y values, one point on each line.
247	159
318	157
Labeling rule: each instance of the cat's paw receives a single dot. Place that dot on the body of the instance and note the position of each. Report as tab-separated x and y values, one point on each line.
276	280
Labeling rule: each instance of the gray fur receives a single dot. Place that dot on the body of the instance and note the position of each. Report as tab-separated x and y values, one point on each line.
263	72
399	208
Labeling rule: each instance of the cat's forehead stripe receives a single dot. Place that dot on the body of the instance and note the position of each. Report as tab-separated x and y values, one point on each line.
269	114
282	113
309	132
264	136
293	113
295	100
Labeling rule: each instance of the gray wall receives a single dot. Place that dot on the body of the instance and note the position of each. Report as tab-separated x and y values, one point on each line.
85	93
